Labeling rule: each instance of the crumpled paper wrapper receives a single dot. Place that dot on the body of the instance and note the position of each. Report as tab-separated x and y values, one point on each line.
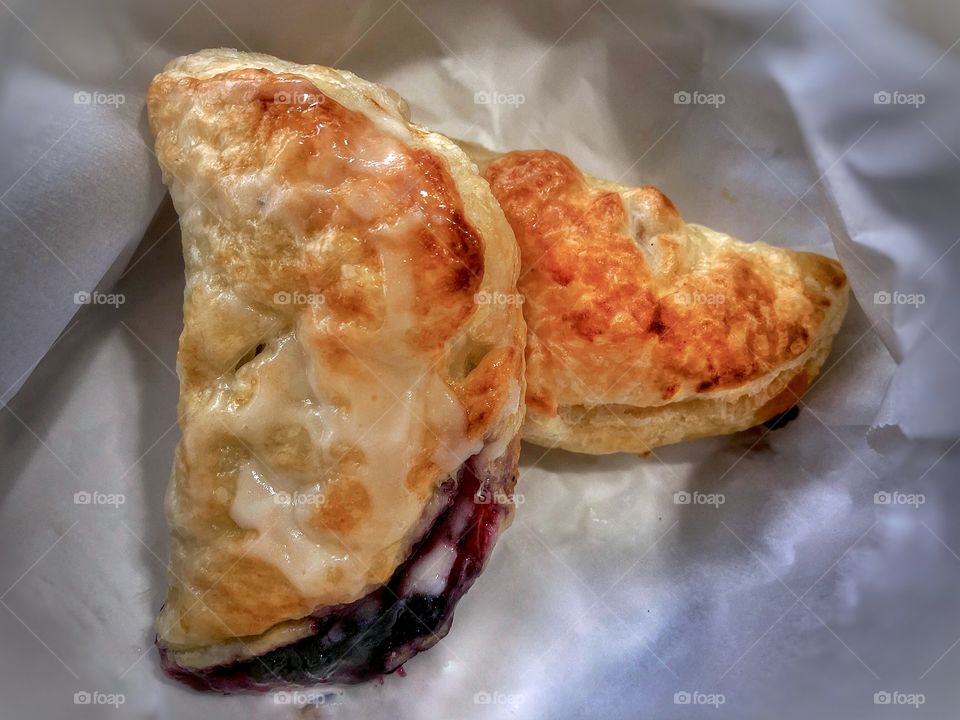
805	572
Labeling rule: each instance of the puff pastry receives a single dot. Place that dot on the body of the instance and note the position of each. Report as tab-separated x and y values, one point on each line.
645	330
345	403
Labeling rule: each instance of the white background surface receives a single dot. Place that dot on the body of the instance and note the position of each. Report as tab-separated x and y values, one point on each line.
798	596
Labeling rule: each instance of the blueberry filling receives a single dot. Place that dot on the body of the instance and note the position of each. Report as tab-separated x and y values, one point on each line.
379	632
781	420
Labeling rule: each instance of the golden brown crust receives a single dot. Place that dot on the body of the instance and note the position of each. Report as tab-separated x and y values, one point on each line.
333	254
631	310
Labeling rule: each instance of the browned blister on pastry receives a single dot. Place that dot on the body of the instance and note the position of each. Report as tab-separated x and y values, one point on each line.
645	330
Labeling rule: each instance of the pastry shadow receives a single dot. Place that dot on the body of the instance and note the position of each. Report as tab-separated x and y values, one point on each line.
557	460
152	284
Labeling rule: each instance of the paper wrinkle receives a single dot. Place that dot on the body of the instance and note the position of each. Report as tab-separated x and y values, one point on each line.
605	597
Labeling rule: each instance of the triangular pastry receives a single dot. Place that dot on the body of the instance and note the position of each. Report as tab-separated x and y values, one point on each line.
645	330
349	411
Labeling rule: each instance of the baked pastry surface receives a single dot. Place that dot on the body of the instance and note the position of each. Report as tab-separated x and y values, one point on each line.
338	378
645	330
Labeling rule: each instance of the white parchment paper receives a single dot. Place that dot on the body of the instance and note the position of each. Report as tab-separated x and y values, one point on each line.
821	579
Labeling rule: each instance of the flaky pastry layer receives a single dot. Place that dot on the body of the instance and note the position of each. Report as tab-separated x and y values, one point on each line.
335	364
645	330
